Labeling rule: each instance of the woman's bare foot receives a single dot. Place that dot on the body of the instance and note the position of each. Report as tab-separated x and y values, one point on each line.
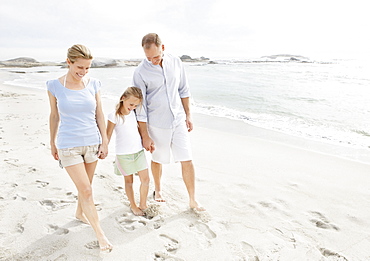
81	217
105	245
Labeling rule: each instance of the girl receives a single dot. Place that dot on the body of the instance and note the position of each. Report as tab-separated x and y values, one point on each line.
130	156
78	132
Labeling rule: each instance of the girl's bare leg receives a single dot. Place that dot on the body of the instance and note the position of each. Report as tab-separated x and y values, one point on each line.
144	188
130	194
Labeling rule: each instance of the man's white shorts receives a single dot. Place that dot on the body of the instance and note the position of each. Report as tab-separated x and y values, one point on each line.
176	139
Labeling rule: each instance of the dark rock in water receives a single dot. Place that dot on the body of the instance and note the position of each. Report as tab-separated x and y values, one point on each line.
17	71
185	57
286	58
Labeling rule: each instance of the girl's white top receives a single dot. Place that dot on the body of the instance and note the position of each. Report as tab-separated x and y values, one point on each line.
128	140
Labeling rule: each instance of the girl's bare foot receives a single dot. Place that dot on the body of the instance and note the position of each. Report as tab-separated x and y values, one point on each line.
136	211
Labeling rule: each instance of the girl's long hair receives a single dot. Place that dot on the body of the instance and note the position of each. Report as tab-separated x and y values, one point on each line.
130	91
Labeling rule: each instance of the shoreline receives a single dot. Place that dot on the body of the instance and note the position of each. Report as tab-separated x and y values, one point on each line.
234	126
317	144
266	199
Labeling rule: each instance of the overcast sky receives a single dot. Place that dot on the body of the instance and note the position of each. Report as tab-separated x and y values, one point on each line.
45	29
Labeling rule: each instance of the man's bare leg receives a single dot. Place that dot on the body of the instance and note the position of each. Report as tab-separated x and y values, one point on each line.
188	175
157	175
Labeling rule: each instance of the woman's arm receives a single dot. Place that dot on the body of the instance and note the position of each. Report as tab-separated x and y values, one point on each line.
103	148
53	124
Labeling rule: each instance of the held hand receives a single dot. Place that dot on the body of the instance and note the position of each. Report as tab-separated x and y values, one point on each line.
152	148
54	152
148	144
103	151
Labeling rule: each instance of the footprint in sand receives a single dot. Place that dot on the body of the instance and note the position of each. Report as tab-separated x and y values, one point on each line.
243	251
249	251
12	162
205	230
162	255
62	257
278	206
42	184
19	197
19	228
328	253
118	189
54	204
171	244
205	240
31	169
71	195
130	222
57	230
152	211
158	223
92	245
283	234
321	221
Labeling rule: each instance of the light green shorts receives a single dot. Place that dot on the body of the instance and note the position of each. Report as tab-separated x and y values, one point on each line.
130	164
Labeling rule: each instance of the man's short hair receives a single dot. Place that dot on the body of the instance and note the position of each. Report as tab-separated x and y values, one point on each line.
150	39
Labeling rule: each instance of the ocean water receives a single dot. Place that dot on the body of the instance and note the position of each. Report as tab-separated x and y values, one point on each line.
328	102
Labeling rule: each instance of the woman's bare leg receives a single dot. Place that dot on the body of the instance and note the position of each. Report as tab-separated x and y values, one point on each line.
80	178
90	169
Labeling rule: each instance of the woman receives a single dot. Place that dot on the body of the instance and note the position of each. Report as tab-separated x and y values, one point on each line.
75	104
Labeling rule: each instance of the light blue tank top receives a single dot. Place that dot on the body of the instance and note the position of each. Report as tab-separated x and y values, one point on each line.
77	111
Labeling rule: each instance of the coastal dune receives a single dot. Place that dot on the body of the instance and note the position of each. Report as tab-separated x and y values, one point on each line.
265	200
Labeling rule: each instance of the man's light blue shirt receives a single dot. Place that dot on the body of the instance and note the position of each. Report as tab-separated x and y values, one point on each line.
162	88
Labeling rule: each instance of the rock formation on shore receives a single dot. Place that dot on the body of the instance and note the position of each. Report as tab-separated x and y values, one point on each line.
25	62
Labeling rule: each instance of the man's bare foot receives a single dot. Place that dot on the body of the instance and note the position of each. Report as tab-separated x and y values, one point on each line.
196	207
81	217
105	245
137	211
158	197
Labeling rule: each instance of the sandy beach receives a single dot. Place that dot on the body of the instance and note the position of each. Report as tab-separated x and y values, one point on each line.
266	199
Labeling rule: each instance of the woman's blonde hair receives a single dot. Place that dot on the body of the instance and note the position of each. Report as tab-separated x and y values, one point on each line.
79	51
130	91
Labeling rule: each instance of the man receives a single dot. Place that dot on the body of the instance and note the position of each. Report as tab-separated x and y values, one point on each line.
165	120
